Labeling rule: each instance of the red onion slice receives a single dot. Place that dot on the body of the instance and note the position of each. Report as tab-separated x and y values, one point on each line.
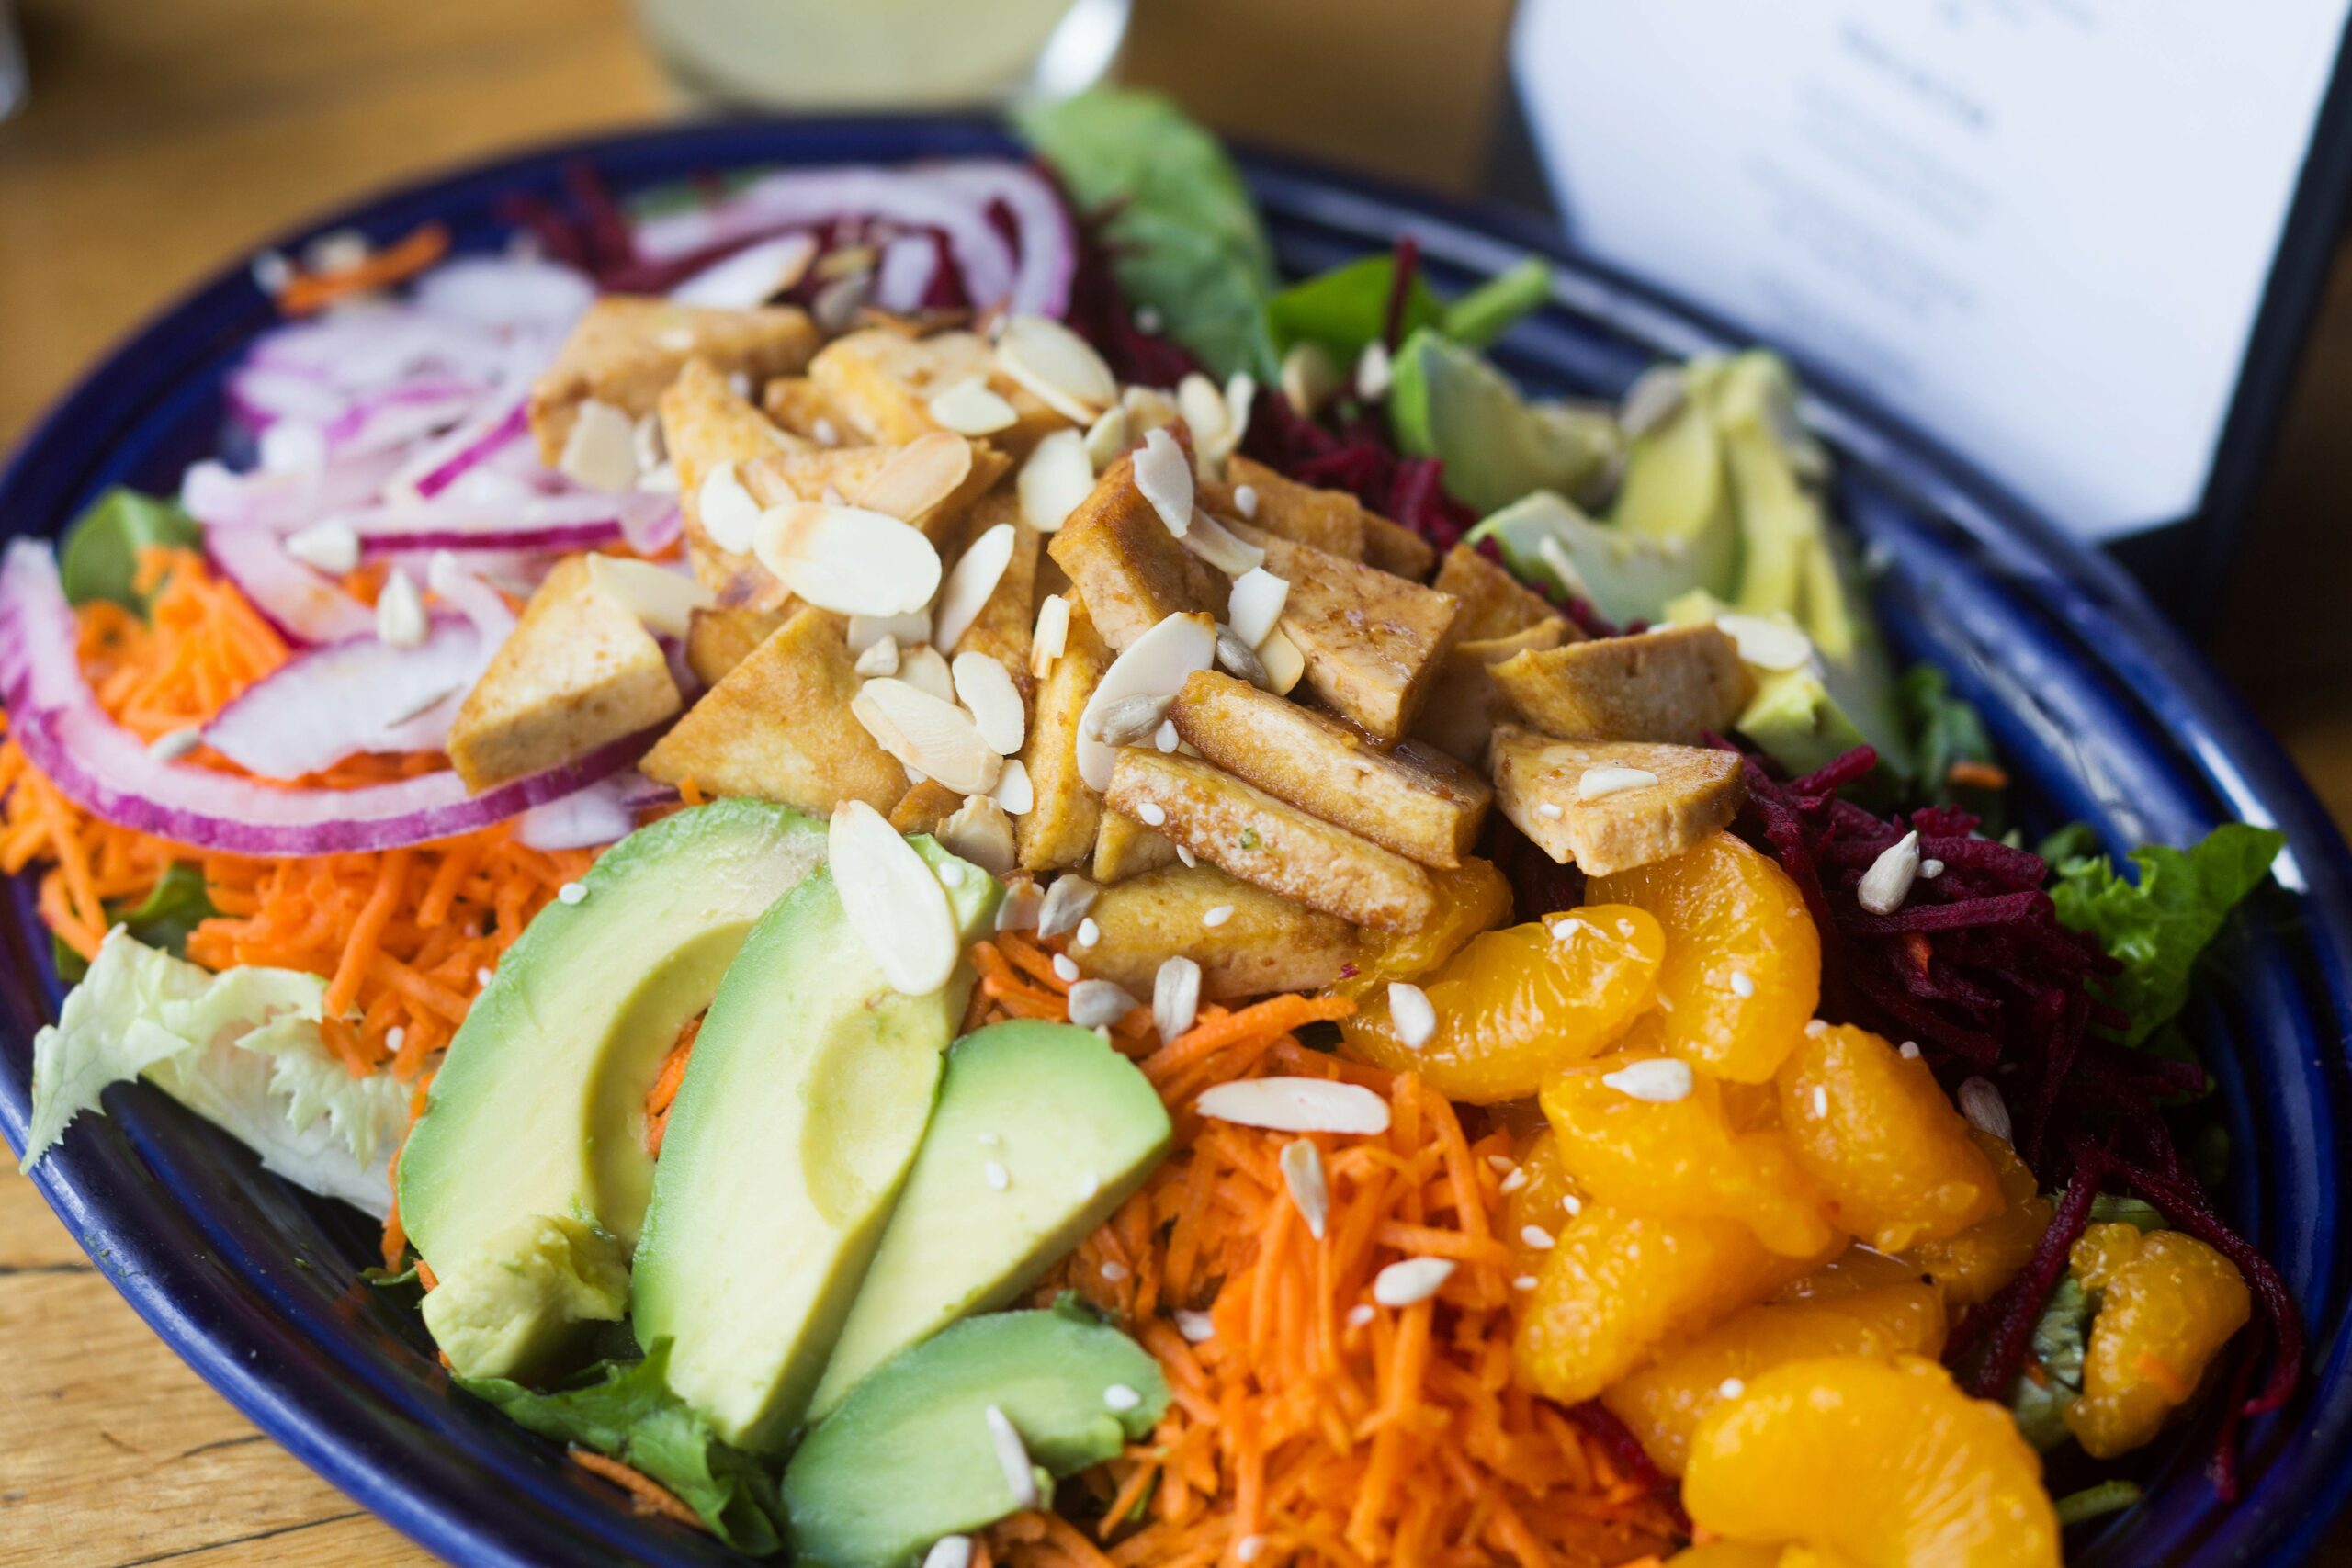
303	605
348	698
1049	241
506	292
103	768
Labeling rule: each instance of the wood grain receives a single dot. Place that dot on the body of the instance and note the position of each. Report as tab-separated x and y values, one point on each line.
165	139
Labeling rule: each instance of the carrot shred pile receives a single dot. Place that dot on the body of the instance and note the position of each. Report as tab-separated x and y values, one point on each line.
646	1494
1313	1426
308	293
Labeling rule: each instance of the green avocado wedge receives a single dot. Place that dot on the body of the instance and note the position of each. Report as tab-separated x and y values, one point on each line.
525	1181
809	1090
1042	1131
1448	401
908	1458
1625	575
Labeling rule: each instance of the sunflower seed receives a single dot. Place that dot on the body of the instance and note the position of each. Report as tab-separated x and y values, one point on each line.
1067	902
1098	1004
1414	1279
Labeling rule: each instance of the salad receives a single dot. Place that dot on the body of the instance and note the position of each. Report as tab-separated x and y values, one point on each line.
972	883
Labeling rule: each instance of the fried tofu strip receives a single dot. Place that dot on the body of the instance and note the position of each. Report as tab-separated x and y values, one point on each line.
1242	830
1465	704
1133	572
1538	785
626	349
1262	942
1494	603
578	671
1672	684
933	481
883	382
1059	829
1332	521
1002	628
1125	847
706	424
1394	548
796	405
1372	641
718	640
778	726
925	807
1413	799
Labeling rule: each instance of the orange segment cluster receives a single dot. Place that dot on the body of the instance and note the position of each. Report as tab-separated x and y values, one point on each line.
2167	1304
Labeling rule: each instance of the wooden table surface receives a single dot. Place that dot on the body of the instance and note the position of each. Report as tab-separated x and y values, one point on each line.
164	135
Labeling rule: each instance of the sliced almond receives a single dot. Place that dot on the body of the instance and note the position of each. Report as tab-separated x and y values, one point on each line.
980	831
662	601
879	658
906	629
919	476
1310	378
935	738
1220	547
923	668
1766	643
1051	636
599	450
1056	365
1175	997
1066	904
729	515
893	901
1284	665
1155	665
977	573
1107	437
1099	1004
1057	478
1256	606
986	687
1310	1190
1403	1283
1203	409
968	408
1296	1105
1013	791
848	559
1166	481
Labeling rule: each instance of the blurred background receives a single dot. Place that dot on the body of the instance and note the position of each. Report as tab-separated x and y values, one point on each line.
151	142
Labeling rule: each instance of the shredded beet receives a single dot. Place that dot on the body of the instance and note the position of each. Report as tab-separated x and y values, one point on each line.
1539	884
1354	455
1625	1452
1975	967
1400	290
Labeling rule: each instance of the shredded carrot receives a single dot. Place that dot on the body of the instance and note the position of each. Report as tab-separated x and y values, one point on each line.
1312	1423
646	1494
664	1091
1978	775
307	293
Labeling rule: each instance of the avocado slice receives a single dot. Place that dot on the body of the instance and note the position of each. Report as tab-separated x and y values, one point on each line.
1626	576
1676	489
1071	1126
524	1183
908	1459
1448	401
809	1090
1804	718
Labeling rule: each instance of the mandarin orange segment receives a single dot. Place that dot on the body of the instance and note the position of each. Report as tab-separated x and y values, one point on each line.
1748	1554
1515	1006
1743	963
1874	1130
1470	897
1681	1158
1973	1266
1618	1286
1540	1200
1856	1269
2167	1304
1663	1404
1882	1460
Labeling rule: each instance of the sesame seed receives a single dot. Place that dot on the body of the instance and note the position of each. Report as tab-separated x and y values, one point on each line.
1217	916
570	893
1148	320
1245	500
1116	1272
1931	869
1524	1283
1820	1101
1248	1548
827	433
1092	1182
1088	933
1908	1050
1817	1027
1012	1458
1359	1315
949	1552
172	747
1741	986
1503	1164
1166	738
483	976
1120	1398
1549	811
1513	1182
1535	1236
1065	966
1661	1080
1572	1203
395	1037
952	874
1731	1388
1597	783
1153	814
1186	855
1195	1327
999	1178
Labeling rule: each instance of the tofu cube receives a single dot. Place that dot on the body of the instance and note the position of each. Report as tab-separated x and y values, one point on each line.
1410	798
706	424
1465	704
1125	847
931	482
1672	684
1328	520
1393	548
1242	830
1059	829
778	726
626	349
1262	943
718	640
577	672
1538	784
796	405
1494	603
1133	572
1372	641
883	382
1001	629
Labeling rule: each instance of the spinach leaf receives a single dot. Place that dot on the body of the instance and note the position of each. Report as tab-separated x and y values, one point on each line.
1184	232
2157	922
101	555
1946	729
163	918
629	1414
2059	1339
1347	308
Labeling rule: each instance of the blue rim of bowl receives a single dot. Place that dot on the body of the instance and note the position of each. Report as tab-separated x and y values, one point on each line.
1985	558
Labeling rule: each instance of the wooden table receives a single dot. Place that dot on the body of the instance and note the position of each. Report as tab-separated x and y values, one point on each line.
162	138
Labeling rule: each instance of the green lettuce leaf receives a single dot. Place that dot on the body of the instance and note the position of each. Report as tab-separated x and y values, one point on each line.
101	556
2059	1341
241	1049
1185	233
1944	729
2158	922
625	1410
1347	308
163	918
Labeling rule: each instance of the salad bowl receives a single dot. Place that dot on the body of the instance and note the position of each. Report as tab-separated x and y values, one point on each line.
2105	715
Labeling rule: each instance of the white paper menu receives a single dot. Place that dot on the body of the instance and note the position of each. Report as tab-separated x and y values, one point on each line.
2039	229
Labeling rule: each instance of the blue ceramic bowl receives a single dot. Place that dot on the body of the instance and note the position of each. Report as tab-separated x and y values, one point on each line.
2096	702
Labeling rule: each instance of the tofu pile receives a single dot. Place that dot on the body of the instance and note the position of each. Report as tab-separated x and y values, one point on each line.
1064	625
